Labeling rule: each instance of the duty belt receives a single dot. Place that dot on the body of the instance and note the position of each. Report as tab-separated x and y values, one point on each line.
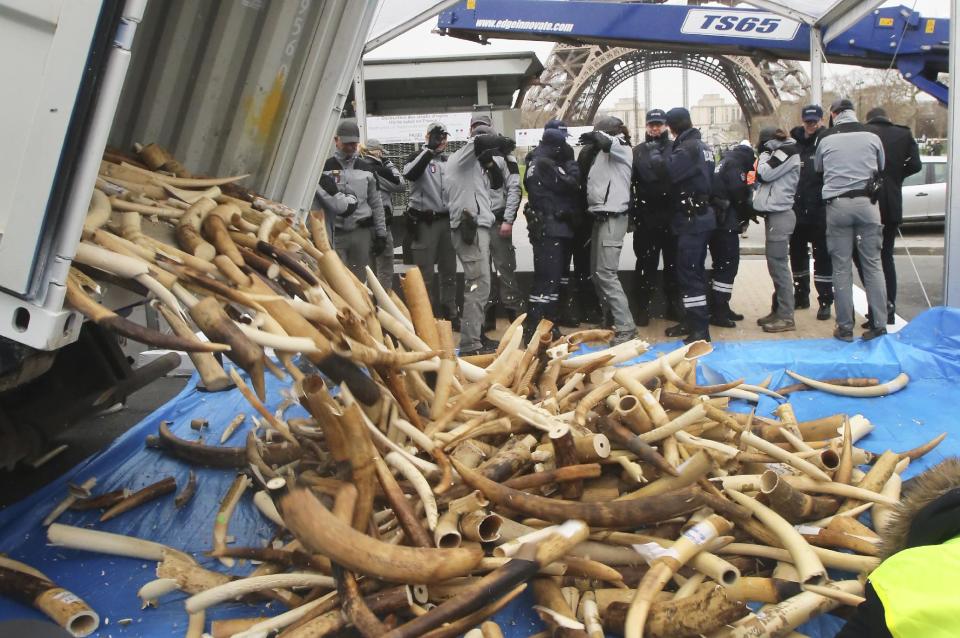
366	222
848	195
428	216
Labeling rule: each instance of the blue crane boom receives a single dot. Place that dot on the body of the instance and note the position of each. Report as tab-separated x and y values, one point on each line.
917	46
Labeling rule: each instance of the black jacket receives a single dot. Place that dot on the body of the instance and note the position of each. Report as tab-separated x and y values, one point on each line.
650	204
731	193
808	202
553	190
688	164
902	161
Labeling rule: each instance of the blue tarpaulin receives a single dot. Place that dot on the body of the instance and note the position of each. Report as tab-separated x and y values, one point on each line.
928	349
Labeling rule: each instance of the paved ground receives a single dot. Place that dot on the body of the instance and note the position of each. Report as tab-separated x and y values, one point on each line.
87	437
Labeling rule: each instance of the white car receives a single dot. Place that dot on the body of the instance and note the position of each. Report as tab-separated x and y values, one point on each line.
925	193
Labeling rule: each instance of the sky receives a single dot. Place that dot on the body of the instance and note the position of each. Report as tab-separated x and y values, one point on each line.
666	89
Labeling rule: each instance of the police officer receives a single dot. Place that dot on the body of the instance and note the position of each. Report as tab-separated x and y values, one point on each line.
652	212
851	159
731	202
363	231
428	221
505	201
389	180
811	230
471	173
552	181
689	167
609	162
902	161
778	172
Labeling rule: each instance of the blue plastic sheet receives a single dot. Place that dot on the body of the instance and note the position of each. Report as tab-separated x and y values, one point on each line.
928	349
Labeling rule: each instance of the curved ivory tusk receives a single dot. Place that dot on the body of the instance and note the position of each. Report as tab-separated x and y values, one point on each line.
92	540
808	468
622	352
752	482
70	499
222	521
630	513
320	531
263	503
385	302
671	375
98	212
283	343
894	385
156	589
236	588
759	389
808	565
420	485
737	393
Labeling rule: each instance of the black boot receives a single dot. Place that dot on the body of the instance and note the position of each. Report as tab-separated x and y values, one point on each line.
642	317
590	310
490	318
678	330
720	314
674	310
697	335
824	312
891	314
734	316
569	315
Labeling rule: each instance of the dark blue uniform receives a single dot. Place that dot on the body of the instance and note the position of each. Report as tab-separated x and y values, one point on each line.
811	229
731	199
652	213
689	167
555	208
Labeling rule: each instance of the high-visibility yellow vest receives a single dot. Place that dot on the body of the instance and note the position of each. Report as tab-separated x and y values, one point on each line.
918	589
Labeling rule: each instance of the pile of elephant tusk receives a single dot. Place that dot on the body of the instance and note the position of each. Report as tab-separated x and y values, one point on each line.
426	491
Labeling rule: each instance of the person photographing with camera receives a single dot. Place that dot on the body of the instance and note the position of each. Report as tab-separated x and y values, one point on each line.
851	159
428	221
472	173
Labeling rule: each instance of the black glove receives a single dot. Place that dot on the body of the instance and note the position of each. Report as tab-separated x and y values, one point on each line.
506	145
566	152
328	184
379	245
486	157
589	137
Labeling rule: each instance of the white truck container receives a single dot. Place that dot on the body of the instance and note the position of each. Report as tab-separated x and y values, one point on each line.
239	86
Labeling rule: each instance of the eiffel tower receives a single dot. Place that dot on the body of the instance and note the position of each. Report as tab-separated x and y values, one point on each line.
577	78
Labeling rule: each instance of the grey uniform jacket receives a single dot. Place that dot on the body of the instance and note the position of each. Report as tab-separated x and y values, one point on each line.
778	172
847	155
507	198
357	175
468	188
425	171
608	183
